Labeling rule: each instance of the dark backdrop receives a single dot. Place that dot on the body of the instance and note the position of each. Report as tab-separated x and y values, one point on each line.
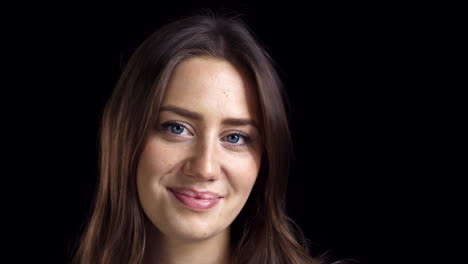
344	65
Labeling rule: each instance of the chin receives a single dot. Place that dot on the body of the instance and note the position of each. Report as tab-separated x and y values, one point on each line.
194	235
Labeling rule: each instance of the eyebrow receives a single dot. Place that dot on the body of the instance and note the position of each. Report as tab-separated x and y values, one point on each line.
197	116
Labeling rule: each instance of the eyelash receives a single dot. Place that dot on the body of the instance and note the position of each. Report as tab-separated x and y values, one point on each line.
247	139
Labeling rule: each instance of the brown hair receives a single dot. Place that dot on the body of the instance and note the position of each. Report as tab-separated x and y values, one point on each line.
262	233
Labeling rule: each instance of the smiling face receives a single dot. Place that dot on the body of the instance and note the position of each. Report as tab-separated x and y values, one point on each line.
200	163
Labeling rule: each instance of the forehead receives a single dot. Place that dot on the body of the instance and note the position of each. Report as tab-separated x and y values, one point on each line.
212	87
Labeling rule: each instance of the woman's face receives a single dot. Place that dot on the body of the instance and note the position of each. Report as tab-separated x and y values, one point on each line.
199	165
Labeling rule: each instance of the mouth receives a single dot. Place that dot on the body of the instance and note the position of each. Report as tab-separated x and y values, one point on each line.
195	200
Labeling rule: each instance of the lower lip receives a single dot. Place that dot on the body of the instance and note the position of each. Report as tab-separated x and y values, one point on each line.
195	203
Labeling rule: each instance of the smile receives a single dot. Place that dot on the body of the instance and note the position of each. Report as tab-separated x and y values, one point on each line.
196	200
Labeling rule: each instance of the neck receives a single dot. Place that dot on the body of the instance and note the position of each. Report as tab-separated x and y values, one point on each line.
163	249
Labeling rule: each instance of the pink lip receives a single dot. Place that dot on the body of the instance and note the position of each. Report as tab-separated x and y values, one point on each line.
199	201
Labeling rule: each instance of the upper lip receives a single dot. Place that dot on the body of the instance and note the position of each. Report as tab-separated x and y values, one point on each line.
196	194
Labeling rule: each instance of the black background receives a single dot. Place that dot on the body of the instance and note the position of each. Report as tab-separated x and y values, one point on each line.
347	68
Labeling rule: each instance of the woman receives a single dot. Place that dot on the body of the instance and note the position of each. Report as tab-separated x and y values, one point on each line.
193	160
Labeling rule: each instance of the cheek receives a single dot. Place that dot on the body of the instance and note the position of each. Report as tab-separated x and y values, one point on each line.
244	173
156	160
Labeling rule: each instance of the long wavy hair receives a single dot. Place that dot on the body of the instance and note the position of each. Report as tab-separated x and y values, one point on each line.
262	232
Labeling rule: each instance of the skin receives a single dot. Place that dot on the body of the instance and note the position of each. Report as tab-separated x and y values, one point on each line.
203	154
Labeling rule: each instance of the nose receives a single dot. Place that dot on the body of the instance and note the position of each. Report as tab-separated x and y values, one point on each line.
203	163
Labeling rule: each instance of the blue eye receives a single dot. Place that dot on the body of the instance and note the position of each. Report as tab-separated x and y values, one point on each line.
177	129
174	128
234	138
238	139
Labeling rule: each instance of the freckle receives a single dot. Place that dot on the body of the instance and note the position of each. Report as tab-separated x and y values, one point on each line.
226	93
